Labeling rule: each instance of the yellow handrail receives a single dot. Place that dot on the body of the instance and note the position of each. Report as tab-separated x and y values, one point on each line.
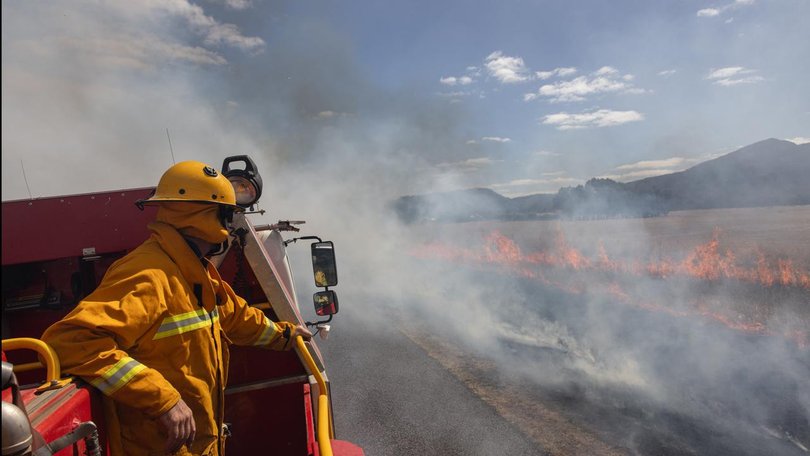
53	369
324	428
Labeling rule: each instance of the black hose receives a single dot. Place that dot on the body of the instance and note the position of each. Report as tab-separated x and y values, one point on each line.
87	431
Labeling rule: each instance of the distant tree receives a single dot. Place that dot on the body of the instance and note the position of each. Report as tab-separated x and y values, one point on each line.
606	198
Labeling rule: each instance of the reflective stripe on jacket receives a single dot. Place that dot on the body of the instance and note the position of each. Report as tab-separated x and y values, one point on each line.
150	334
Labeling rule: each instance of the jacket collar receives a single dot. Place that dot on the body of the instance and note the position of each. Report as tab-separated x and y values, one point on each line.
192	270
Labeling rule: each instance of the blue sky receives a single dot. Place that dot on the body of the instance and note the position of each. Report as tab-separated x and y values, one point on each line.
518	96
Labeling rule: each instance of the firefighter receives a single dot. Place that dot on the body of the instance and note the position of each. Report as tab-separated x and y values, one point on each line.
153	337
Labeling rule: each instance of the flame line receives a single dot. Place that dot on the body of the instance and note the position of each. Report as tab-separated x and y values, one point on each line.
704	263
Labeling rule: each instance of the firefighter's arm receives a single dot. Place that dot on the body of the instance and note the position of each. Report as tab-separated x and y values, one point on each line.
246	325
90	341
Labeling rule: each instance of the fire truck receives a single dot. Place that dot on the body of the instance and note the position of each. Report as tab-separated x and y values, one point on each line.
56	250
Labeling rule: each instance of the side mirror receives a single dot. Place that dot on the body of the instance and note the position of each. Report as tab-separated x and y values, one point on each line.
323	264
326	302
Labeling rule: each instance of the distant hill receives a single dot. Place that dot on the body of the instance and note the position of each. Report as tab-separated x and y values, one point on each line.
457	206
768	173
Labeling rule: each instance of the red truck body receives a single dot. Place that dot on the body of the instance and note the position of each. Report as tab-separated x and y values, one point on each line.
56	250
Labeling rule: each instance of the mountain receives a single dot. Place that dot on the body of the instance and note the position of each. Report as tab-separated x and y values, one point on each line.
767	173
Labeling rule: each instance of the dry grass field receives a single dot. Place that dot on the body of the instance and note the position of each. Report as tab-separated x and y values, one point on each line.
710	309
777	232
746	268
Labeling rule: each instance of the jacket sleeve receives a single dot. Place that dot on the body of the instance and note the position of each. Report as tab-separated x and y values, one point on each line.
246	325
91	341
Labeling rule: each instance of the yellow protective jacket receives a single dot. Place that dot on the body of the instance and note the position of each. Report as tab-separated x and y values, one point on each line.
151	333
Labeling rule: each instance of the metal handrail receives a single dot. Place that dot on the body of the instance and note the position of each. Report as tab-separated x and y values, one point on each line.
324	428
52	366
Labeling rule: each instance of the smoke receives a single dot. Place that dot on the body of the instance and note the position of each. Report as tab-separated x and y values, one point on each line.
659	353
88	96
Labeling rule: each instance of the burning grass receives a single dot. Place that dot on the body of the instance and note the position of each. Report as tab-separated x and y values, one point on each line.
746	289
686	334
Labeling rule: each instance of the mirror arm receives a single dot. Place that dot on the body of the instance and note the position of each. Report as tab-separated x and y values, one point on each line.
290	241
315	323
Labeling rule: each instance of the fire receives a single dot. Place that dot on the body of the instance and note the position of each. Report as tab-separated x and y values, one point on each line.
501	249
706	262
763	272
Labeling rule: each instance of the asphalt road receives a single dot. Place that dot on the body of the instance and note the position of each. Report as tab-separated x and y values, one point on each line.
391	398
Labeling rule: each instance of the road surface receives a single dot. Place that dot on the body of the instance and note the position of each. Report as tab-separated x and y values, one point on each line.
391	398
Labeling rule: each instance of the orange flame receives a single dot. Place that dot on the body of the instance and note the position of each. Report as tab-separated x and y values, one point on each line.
704	262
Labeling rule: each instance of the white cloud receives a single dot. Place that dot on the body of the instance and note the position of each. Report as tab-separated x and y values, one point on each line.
648	164
567	71
468	166
479	162
496	139
635	175
725	72
522	187
667	73
562	71
713	12
708	12
577	89
466	79
331	115
506	69
604	80
746	80
650	168
799	140
545	153
730	76
606	71
452	80
599	118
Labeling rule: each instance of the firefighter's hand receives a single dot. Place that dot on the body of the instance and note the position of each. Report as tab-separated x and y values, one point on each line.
179	424
301	331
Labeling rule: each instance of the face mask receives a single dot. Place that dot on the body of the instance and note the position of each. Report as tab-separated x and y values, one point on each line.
199	220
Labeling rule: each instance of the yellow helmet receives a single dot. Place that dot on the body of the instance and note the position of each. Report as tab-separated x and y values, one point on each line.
194	181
